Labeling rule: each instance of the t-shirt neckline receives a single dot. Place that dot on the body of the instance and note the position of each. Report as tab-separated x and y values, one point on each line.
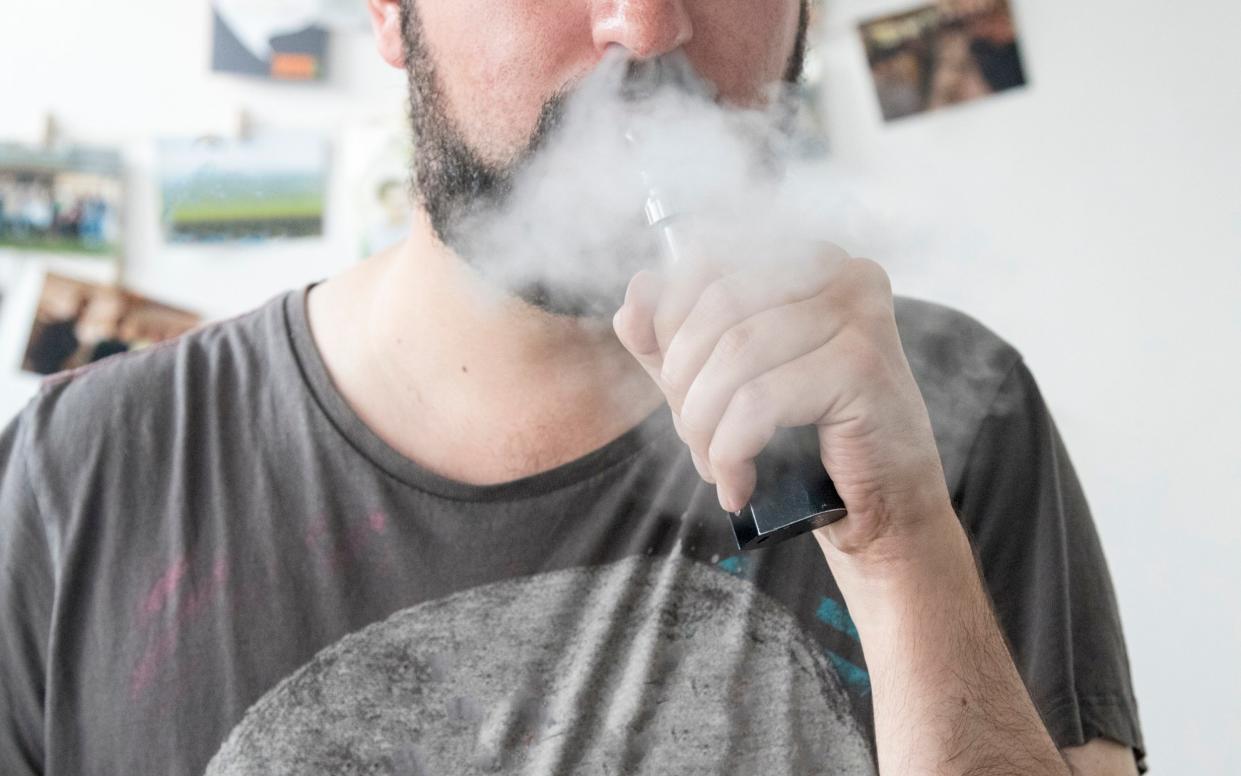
372	447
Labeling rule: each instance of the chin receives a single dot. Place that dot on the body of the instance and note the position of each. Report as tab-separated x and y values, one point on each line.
593	304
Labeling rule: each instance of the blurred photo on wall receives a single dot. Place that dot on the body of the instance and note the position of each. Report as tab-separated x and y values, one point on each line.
271	186
283	40
379	159
64	200
78	322
946	53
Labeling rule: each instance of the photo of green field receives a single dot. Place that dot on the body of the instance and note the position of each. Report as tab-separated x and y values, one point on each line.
265	188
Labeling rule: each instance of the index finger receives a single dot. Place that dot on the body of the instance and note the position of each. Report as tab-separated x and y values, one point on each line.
634	322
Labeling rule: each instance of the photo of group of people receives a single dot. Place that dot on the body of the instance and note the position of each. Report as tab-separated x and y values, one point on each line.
60	200
79	322
950	52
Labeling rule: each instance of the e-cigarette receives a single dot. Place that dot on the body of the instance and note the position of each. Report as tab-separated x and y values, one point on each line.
794	493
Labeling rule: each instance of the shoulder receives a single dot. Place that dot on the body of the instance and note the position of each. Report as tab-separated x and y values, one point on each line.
127	415
960	366
129	386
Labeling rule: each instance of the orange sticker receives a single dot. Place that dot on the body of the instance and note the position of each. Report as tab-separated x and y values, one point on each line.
294	66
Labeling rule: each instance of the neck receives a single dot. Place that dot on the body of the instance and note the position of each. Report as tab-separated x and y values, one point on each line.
470	382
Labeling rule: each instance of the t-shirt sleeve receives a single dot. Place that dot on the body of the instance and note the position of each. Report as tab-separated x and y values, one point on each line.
26	591
1024	508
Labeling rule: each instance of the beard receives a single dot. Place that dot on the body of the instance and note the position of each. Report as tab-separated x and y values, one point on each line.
453	184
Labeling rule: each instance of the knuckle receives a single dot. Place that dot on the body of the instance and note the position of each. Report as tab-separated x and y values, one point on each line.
718	300
752	398
866	292
831	253
823	266
734	344
635	339
873	275
875	312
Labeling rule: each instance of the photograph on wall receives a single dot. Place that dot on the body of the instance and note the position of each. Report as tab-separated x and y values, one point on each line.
947	53
270	186
284	40
61	200
79	322
380	160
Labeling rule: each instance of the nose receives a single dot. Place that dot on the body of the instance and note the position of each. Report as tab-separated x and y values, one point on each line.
647	28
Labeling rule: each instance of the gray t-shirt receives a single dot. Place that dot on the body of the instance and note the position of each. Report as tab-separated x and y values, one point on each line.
208	563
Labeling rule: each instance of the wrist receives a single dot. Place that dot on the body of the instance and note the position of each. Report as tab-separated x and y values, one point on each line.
929	557
939	666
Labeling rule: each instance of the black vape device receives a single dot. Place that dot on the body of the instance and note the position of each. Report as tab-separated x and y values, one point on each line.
794	493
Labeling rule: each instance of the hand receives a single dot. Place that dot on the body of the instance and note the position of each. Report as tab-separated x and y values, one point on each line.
741	352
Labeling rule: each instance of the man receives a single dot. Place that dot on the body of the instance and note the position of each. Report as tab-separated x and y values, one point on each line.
395	524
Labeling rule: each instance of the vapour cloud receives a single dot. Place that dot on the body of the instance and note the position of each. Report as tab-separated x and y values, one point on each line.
753	185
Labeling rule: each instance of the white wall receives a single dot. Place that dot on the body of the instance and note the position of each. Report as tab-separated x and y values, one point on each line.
127	72
1093	219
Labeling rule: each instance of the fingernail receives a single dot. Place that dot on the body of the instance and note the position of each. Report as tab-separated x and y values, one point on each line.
725	499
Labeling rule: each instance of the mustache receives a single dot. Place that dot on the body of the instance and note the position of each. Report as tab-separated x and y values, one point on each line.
640	80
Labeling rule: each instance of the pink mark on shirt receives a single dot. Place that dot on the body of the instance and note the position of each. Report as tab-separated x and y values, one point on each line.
163	589
340	546
186	602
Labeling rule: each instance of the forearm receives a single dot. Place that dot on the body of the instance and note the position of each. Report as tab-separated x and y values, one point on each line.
947	696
